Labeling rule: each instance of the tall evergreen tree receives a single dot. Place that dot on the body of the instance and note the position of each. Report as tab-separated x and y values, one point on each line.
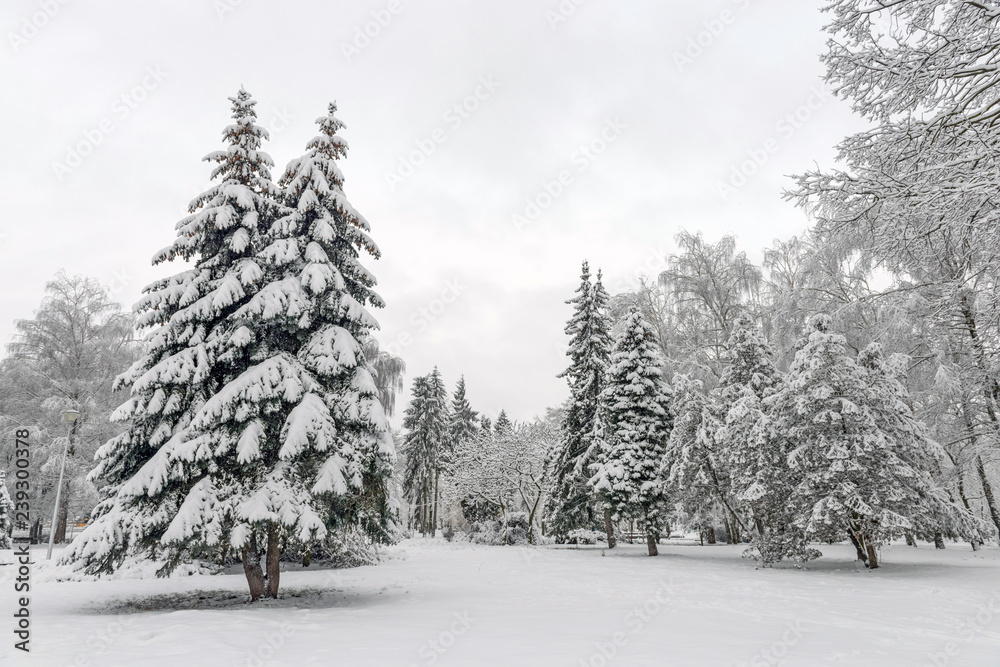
464	419
634	425
425	446
254	413
571	505
191	355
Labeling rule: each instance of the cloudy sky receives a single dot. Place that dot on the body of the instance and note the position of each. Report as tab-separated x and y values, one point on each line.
493	147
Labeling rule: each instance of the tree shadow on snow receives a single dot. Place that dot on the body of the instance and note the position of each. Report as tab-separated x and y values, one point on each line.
220	599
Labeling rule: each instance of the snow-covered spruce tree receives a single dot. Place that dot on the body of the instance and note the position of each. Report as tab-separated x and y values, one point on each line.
858	459
571	504
634	426
254	412
158	462
6	512
463	424
312	397
426	447
503	425
753	454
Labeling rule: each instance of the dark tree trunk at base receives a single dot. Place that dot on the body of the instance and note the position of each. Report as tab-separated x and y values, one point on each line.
251	568
872	555
273	562
910	542
857	546
710	533
938	541
60	526
609	528
651	545
991	502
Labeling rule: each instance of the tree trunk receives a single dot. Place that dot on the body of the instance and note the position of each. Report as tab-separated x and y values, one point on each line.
991	502
251	568
938	541
437	485
910	542
710	533
862	556
872	555
60	526
650	536
730	538
609	528
64	497
273	562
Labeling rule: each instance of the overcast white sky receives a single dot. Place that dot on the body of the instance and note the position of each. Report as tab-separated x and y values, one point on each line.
676	129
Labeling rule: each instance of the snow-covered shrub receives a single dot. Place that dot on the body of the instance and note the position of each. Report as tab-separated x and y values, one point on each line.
515	530
776	546
584	536
340	549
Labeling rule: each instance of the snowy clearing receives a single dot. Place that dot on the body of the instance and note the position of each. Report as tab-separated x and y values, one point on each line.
438	603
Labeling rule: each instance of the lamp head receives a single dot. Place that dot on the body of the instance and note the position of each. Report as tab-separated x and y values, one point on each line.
70	415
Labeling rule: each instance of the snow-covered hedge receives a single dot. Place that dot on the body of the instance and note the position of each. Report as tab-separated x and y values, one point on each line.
584	536
340	549
515	530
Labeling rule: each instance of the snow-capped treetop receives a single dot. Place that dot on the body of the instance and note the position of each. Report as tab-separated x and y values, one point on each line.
313	189
749	361
463	418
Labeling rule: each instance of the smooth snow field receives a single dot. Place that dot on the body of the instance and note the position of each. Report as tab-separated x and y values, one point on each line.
437	603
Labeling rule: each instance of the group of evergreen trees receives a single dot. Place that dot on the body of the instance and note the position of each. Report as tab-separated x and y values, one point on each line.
254	419
433	432
829	450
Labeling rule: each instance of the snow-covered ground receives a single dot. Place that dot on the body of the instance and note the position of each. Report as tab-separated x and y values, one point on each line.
435	603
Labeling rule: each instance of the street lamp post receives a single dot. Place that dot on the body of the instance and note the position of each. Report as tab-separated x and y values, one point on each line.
70	416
